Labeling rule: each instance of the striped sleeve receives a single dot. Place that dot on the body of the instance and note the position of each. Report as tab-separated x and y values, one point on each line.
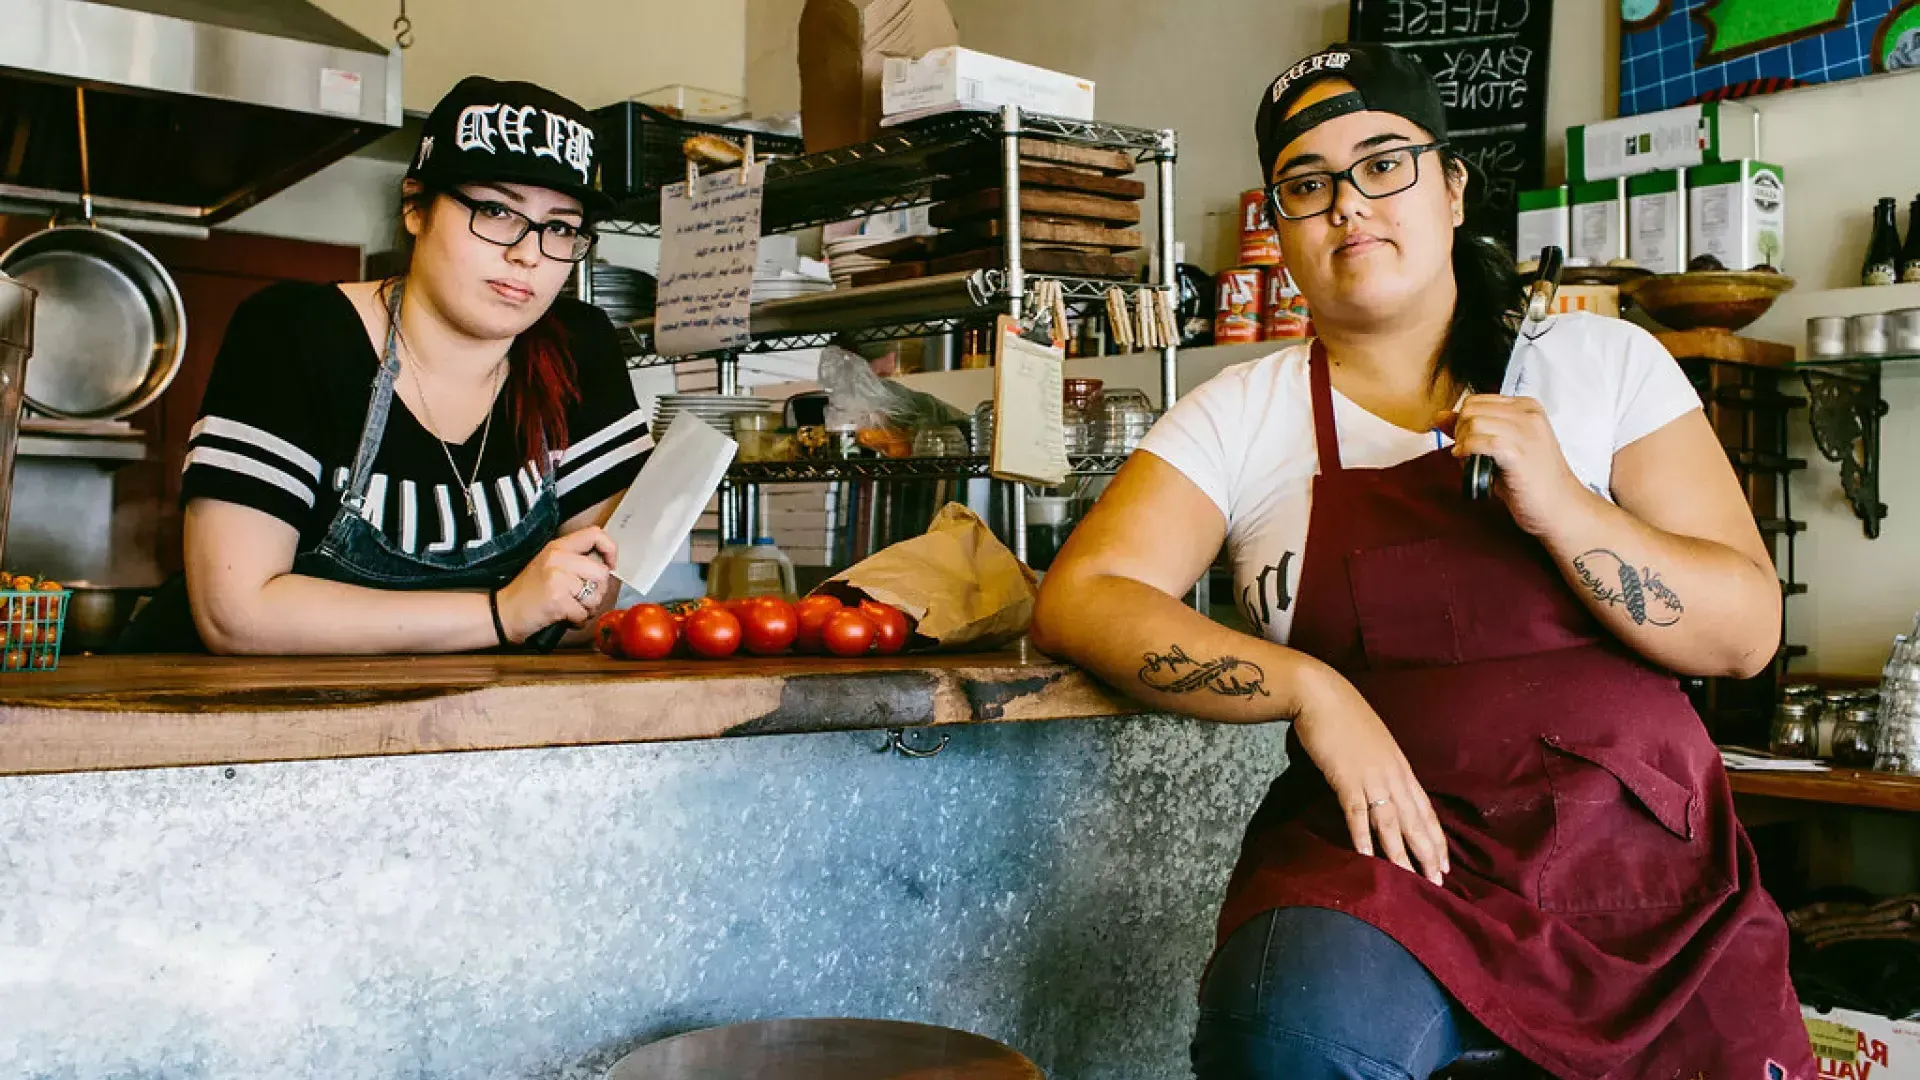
608	435
254	442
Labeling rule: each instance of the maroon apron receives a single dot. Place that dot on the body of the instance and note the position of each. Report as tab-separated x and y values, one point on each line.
1604	915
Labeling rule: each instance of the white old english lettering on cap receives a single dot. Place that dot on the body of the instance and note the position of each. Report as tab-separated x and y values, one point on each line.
1333	61
567	141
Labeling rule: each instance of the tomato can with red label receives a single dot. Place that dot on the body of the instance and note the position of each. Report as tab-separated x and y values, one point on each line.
1237	316
1259	244
1285	312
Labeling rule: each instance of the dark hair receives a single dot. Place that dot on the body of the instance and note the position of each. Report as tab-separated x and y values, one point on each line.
541	379
1487	308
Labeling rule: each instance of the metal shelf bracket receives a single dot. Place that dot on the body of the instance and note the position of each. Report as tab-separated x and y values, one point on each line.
1844	412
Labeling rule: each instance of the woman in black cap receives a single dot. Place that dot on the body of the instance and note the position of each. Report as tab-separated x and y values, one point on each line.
1503	822
457	504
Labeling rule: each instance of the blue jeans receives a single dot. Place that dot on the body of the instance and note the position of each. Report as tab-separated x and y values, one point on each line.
1313	994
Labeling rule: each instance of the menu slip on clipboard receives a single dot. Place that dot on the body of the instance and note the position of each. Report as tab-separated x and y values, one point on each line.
658	512
1029	433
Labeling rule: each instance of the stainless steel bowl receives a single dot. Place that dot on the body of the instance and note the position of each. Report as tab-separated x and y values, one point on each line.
1827	335
111	329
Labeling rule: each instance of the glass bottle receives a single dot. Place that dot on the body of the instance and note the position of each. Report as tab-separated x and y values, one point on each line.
764	570
1883	251
1910	254
1794	734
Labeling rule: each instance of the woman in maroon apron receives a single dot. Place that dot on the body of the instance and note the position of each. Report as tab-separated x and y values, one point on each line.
1503	824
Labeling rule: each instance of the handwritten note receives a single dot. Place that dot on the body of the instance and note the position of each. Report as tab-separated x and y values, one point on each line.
708	237
1029	433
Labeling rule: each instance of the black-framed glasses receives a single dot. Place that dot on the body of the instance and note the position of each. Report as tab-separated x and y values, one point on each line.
497	223
1389	172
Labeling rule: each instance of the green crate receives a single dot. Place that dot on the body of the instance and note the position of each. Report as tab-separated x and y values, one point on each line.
32	625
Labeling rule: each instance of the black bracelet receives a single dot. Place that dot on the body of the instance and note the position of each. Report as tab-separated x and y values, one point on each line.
499	628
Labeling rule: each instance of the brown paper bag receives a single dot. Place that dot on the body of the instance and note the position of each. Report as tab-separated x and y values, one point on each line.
961	584
844	45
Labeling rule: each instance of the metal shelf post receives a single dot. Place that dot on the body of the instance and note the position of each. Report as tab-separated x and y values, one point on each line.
1016	293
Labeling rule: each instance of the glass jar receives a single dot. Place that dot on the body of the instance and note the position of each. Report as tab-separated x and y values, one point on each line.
1049	521
1795	732
976	348
939	441
1855	735
983	429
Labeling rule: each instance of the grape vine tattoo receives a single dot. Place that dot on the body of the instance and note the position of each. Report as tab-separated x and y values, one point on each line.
1611	580
1174	672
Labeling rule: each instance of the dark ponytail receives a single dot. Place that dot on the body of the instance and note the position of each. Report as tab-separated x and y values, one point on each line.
1486	312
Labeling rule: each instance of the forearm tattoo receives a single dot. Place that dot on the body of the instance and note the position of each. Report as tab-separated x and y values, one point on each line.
1174	672
1648	600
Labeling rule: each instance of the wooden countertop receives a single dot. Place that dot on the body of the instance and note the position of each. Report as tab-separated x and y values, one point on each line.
132	712
1839	787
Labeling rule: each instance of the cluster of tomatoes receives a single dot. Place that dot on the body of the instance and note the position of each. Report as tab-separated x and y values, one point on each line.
761	625
29	625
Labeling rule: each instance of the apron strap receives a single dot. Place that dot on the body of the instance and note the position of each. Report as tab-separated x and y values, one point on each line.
1325	436
379	404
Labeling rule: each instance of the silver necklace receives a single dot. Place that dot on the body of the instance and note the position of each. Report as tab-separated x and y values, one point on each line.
465	483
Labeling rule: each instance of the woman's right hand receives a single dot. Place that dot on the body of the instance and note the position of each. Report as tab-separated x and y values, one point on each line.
1370	776
548	590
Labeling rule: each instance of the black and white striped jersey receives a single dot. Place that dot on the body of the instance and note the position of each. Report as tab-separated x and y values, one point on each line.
288	397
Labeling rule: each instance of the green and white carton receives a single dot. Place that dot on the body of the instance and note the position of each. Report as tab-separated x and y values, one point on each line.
1738	213
1599	232
1546	219
1682	138
1656	224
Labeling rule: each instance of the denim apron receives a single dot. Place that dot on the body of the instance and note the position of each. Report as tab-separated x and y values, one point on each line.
355	552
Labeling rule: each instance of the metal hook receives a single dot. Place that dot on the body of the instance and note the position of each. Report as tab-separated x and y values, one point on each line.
403	28
897	742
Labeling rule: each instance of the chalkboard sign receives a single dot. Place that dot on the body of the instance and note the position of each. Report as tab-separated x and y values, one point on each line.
1490	59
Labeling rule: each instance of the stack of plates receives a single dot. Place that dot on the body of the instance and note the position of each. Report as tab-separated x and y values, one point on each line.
625	295
717	410
845	257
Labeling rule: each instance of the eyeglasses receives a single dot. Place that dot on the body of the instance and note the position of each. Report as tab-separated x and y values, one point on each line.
1376	176
497	223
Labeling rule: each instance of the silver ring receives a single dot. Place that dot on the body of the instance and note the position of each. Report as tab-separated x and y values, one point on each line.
1379	802
587	589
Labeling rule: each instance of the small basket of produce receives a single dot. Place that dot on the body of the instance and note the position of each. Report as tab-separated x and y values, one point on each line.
33	615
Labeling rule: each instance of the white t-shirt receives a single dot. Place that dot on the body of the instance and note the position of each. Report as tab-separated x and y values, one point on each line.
1245	438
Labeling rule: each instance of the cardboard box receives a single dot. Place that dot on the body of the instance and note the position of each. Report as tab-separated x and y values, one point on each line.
1882	1049
1599	222
1670	139
1737	212
1656	222
1546	220
844	46
956	78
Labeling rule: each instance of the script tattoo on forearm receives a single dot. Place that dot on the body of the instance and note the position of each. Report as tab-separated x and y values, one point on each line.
1611	580
1174	672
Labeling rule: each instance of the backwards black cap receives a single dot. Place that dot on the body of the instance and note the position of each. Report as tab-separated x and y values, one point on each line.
485	131
1384	80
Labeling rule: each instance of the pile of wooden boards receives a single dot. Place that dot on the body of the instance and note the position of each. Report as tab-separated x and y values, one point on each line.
1079	215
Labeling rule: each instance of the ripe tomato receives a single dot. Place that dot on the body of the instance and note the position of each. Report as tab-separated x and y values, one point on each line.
606	633
848	633
30	633
739	608
16	660
713	633
648	632
769	626
43	662
890	627
814	611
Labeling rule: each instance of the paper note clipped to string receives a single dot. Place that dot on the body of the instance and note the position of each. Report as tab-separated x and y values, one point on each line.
1029	433
709	236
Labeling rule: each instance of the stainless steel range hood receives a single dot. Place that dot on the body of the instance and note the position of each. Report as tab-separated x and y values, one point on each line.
196	109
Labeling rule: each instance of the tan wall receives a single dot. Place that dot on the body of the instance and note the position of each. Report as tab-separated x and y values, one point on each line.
594	51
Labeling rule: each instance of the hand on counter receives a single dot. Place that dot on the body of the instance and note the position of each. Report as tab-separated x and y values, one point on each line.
548	590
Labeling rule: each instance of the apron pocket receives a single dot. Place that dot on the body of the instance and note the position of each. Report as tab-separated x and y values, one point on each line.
1625	834
1403	598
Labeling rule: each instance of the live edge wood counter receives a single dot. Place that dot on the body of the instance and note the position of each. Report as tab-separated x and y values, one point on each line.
134	712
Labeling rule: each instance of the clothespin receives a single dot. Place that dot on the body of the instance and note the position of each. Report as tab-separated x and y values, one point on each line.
693	177
746	162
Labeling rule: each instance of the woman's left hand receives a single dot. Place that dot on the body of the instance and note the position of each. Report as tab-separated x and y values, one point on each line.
1534	481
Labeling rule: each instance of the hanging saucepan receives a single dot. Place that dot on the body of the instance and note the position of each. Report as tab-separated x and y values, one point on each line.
111	330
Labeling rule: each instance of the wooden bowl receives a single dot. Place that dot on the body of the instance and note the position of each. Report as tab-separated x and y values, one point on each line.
1718	299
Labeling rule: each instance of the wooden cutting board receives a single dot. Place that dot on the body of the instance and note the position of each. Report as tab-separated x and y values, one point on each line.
1058	204
1043	177
1082	234
974	158
1070	262
900	271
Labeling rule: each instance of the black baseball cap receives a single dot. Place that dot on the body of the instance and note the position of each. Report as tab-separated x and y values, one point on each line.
1384	79
486	131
